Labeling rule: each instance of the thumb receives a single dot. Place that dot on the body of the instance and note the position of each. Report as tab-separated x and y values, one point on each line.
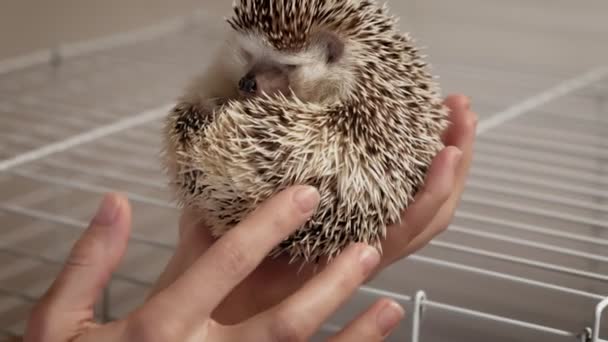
93	258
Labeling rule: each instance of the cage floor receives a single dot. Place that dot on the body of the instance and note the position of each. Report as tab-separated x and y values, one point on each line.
526	257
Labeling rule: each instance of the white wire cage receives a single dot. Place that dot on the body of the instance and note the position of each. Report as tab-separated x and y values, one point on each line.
524	260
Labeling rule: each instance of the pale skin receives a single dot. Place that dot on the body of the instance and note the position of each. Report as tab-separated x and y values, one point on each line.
226	290
182	310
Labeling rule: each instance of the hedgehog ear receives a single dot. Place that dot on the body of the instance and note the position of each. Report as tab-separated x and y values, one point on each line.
331	44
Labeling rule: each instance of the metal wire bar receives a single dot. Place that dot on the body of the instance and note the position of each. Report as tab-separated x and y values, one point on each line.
548	157
522	261
587	118
417	316
549	133
536	101
540	168
59	263
504	276
39	135
559	146
531	228
528	243
67	120
45	130
384	293
482	200
142	137
105	173
120	144
86	137
100	156
21	140
83	186
66	222
500	319
474	313
538	181
104	43
535	195
14	294
69	110
601	306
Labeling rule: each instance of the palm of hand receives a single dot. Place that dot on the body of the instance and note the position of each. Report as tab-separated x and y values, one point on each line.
428	216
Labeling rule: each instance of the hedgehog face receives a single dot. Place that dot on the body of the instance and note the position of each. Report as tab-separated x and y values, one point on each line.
314	73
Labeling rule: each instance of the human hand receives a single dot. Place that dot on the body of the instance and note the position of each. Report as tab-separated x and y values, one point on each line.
182	310
433	208
428	216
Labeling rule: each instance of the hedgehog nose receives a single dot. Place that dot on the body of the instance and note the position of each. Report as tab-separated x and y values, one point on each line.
248	84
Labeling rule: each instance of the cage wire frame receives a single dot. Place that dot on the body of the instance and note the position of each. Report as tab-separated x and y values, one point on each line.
420	300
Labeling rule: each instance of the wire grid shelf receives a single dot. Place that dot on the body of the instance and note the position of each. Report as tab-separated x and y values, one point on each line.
525	258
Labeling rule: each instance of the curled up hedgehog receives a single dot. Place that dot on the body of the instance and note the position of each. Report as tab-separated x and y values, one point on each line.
320	92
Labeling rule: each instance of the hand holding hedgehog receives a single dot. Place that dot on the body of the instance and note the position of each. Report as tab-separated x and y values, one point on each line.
428	215
323	92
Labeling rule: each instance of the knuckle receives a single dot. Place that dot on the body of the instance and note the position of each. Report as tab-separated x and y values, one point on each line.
349	280
84	253
445	193
284	329
145	327
232	259
438	194
40	320
443	224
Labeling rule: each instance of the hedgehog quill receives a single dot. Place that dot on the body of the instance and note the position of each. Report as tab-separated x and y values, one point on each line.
322	92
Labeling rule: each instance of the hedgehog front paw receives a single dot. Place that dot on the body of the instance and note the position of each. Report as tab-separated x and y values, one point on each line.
190	119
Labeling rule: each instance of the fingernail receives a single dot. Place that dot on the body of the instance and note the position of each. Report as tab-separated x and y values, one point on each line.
306	198
107	211
389	317
469	100
369	259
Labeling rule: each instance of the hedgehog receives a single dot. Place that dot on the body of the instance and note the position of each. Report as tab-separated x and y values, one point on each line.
326	93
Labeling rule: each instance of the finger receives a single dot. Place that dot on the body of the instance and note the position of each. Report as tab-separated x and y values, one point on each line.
194	239
436	191
299	316
461	133
375	324
93	258
459	116
234	256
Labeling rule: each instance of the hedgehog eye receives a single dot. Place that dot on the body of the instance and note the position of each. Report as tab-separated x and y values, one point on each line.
332	45
291	67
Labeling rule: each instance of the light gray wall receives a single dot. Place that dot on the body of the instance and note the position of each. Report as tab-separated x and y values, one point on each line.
557	36
29	25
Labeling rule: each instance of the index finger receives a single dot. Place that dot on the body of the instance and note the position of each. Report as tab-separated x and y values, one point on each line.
236	254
